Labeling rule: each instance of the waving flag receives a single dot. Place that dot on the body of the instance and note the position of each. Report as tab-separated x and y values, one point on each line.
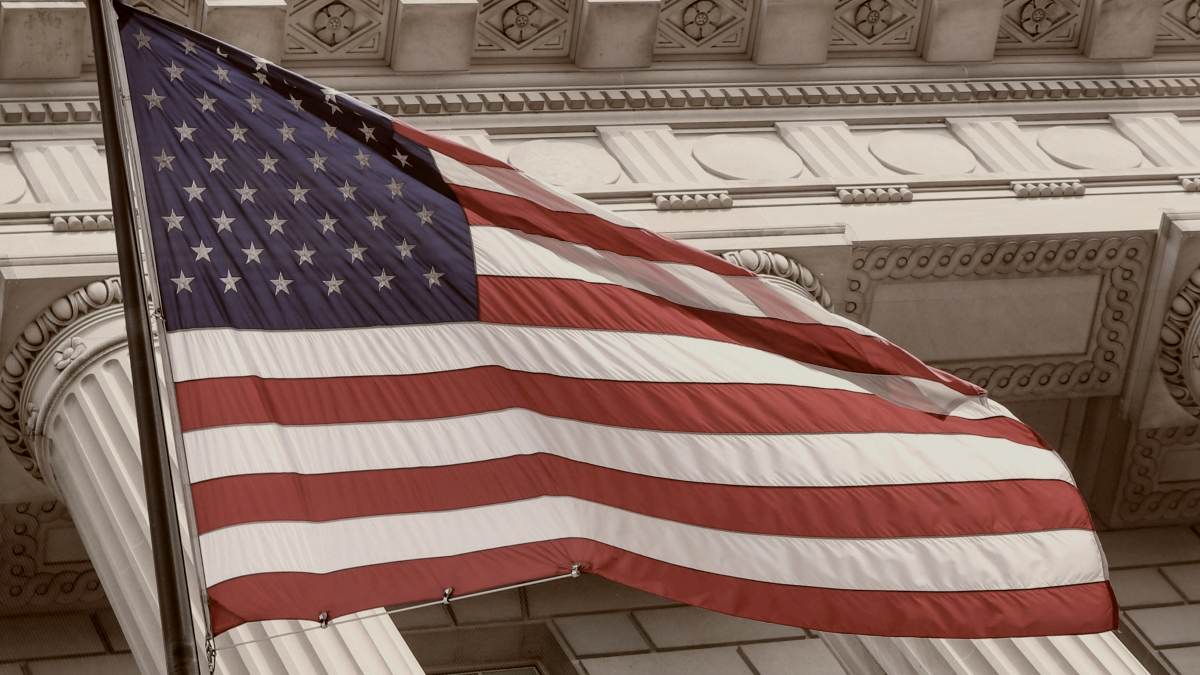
401	365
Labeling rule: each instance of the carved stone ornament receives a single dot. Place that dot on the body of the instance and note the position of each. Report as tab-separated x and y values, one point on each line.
1120	262
32	342
27	580
1179	346
1144	497
771	264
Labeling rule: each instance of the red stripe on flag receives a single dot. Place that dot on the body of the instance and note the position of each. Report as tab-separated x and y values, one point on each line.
1059	610
446	146
570	303
516	213
876	511
664	406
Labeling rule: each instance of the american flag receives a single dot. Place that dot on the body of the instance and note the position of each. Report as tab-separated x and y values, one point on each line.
401	365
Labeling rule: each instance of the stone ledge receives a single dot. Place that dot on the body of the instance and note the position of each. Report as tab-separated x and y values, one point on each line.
693	97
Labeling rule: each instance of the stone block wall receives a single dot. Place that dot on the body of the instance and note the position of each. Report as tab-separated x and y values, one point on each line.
589	626
76	643
1156	575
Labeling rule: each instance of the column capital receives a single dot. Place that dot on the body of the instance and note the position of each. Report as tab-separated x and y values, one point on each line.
782	270
68	333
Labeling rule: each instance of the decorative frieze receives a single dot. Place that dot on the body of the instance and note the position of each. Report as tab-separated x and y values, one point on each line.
1178	349
1145	495
1070	187
31	579
1119	262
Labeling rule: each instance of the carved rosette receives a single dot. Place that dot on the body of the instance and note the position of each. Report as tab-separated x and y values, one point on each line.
18	413
1179	346
778	266
1119	261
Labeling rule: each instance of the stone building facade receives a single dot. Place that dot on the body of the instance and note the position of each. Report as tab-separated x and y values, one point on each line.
1008	188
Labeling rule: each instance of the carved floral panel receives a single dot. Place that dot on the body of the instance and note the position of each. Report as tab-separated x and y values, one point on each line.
699	27
1179	25
1040	24
876	25
338	29
542	29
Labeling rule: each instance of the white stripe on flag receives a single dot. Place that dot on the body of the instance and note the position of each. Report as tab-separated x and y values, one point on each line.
816	460
566	352
989	562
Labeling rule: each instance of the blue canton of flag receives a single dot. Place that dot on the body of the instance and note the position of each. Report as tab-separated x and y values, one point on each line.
276	203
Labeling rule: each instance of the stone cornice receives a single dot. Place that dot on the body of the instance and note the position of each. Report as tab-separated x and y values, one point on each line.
18	416
436	103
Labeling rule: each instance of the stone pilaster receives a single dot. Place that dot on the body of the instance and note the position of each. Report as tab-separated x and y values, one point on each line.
66	410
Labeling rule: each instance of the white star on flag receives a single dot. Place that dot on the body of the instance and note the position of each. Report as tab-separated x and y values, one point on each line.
317	161
194	191
174	222
230	281
143	40
425	215
305	254
221	73
347	190
406	249
164	160
237	133
298	193
395	187
433	277
216	162
252	254
376	218
245	193
333	285
276	223
223	222
327	223
268	162
356	252
202	251
183	283
281	284
185	132
383	279
207	103
287	133
154	99
174	72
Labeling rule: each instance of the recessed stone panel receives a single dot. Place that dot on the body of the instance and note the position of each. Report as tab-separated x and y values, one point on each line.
12	183
988	318
742	157
915	152
565	163
1082	147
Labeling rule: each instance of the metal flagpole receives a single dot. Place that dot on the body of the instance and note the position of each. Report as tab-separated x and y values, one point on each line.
179	639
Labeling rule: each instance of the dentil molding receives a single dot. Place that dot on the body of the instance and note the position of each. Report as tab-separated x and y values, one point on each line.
715	96
18	415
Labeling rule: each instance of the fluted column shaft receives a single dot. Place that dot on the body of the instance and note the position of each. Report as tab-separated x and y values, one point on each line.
1058	655
79	424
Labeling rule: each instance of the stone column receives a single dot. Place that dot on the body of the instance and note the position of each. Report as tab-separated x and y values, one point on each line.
66	410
